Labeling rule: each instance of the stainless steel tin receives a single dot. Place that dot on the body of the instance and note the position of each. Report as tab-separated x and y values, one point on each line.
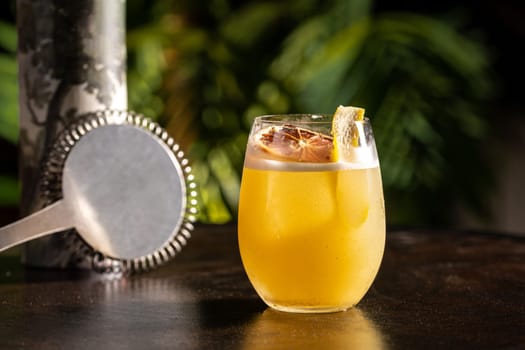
72	60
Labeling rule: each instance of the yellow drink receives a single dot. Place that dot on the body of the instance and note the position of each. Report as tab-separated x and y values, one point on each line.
311	236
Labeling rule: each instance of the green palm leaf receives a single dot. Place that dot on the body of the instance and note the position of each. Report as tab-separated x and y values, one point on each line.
8	83
423	85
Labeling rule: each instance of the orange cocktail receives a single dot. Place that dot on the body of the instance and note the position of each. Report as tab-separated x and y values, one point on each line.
311	229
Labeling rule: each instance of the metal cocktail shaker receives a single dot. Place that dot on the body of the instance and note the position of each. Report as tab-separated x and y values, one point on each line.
72	60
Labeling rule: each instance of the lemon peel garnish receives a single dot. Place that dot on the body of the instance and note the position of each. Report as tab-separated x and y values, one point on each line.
344	131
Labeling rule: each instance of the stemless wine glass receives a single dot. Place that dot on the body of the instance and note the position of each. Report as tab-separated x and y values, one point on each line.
311	225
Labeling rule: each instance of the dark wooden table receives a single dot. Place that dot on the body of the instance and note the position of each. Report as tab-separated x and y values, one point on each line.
435	290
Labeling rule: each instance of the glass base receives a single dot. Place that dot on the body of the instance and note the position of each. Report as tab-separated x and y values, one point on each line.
309	309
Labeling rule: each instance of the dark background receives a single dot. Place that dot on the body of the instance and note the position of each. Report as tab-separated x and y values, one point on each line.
499	25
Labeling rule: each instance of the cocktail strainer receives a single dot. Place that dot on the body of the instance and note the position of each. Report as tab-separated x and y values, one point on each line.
122	183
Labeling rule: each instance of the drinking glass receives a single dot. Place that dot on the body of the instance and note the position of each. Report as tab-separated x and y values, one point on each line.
311	225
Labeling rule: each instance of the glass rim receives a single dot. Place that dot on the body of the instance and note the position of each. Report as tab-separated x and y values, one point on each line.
324	118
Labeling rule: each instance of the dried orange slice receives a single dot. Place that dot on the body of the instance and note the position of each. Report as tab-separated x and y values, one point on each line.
291	143
344	131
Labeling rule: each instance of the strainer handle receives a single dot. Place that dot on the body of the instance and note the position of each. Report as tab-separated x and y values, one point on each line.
51	219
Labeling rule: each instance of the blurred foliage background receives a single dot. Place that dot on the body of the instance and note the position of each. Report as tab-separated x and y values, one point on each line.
204	69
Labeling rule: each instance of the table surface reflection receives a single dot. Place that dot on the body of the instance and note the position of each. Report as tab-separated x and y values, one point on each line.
435	289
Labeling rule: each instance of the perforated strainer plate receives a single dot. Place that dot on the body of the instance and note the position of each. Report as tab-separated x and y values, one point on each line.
76	136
